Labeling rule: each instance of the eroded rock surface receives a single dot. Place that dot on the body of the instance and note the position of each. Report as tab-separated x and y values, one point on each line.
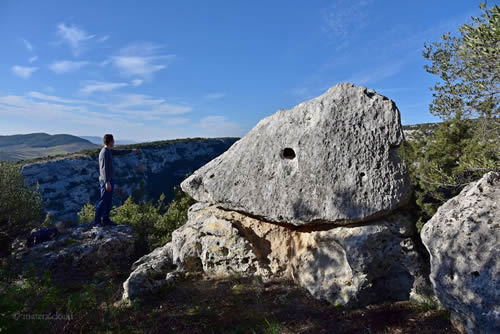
463	241
344	265
79	253
332	159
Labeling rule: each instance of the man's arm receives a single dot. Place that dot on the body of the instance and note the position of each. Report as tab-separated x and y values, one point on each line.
123	152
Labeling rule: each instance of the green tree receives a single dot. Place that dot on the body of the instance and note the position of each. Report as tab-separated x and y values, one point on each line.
466	144
20	207
469	68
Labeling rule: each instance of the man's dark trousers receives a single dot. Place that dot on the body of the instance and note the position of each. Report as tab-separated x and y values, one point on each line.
103	207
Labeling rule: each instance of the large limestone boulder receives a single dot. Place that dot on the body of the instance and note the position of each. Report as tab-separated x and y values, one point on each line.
463	241
79	253
332	159
361	265
344	265
217	243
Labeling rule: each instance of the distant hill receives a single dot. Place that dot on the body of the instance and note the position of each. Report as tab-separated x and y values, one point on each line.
98	140
36	145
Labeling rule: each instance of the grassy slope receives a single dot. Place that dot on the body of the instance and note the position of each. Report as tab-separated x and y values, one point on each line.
35	145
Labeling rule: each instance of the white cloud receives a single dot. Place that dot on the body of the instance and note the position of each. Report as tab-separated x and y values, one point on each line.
149	107
137	82
32	59
65	66
219	126
51	98
103	38
140	60
140	116
378	73
215	95
344	17
99	86
27	45
176	121
73	36
23	72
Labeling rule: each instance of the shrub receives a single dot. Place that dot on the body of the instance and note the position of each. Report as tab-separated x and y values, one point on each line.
20	207
153	222
87	213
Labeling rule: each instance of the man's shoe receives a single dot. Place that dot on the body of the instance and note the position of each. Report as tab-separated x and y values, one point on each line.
96	223
109	223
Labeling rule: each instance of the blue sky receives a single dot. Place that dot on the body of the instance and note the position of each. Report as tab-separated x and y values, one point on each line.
151	70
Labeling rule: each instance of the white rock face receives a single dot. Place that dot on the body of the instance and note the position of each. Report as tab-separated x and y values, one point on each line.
66	184
463	240
332	159
345	265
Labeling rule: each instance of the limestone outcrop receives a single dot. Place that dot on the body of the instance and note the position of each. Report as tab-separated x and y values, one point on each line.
351	266
463	241
311	194
79	253
332	159
67	183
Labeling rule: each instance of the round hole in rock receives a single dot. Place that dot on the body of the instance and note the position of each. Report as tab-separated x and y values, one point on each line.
288	153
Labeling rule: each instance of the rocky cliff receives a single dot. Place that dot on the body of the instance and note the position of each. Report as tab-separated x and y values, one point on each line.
67	183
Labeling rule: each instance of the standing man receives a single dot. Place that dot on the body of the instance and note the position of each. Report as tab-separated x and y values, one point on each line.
106	180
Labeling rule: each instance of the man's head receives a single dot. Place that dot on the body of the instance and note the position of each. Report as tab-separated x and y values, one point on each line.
108	140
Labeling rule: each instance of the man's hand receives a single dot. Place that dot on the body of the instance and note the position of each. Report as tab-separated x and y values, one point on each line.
136	151
108	186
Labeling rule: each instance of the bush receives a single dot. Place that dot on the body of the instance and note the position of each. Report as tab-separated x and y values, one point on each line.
20	207
153	222
87	213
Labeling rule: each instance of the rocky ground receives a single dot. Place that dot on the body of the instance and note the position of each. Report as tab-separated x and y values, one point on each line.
234	305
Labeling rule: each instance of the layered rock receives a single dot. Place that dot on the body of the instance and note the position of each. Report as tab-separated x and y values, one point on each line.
463	241
79	253
332	159
350	266
67	183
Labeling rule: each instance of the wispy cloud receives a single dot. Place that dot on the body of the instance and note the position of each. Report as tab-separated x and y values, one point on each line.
32	59
176	121
74	36
217	125
344	17
137	82
215	95
148	107
103	38
99	86
23	71
27	45
51	98
379	73
140	60
65	66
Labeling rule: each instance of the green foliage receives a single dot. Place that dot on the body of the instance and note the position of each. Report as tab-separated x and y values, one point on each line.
87	213
442	163
20	207
468	66
153	222
48	221
466	144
